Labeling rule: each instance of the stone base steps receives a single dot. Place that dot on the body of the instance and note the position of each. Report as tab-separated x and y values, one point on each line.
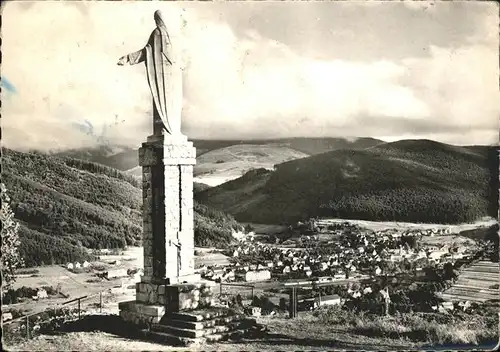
200	326
171	339
171	328
203	314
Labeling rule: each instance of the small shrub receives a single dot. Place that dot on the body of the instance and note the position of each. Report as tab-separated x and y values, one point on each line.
99	267
94	280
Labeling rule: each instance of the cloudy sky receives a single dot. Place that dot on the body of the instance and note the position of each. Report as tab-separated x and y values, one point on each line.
253	70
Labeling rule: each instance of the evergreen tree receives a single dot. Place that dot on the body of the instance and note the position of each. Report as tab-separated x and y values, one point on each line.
10	242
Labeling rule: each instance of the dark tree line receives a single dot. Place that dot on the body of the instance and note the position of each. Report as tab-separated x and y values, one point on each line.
213	228
422	183
67	205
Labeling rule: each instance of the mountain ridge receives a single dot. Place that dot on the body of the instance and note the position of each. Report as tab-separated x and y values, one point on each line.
404	181
128	158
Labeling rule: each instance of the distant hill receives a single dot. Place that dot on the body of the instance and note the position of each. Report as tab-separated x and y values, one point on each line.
307	145
102	154
199	187
67	205
409	180
125	158
223	164
313	146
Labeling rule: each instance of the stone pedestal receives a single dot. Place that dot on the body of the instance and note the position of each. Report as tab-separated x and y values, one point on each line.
168	220
169	284
154	302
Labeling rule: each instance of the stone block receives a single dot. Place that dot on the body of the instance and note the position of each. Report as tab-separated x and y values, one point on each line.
148	273
168	139
204	314
142	297
151	310
147	224
146	278
179	151
187	296
126	305
162	299
161	290
153	298
150	155
147	208
139	319
147	246
148	261
169	339
146	176
147	193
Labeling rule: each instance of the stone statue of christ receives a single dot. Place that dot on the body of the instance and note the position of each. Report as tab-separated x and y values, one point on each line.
164	74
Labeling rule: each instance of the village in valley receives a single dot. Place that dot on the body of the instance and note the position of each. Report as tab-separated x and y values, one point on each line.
355	261
333	262
330	263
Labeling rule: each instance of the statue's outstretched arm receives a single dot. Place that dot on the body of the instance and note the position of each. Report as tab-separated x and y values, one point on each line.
133	58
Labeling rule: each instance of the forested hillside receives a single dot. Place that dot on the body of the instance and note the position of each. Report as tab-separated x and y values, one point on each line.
66	205
411	180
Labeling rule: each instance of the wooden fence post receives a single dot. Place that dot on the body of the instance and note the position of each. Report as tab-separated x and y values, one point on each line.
28	327
293	303
79	308
100	302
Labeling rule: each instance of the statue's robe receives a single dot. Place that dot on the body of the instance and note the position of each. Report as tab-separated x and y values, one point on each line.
165	80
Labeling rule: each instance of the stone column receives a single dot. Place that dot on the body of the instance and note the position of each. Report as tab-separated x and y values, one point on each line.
169	284
168	234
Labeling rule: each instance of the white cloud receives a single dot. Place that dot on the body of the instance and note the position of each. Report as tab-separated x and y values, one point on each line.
460	85
244	82
234	87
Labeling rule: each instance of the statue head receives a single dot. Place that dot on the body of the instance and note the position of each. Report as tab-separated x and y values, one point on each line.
159	19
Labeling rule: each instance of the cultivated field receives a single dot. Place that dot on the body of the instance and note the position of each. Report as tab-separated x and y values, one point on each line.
477	283
86	283
221	165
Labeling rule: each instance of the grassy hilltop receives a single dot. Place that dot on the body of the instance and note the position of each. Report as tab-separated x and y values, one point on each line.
409	180
67	205
125	158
